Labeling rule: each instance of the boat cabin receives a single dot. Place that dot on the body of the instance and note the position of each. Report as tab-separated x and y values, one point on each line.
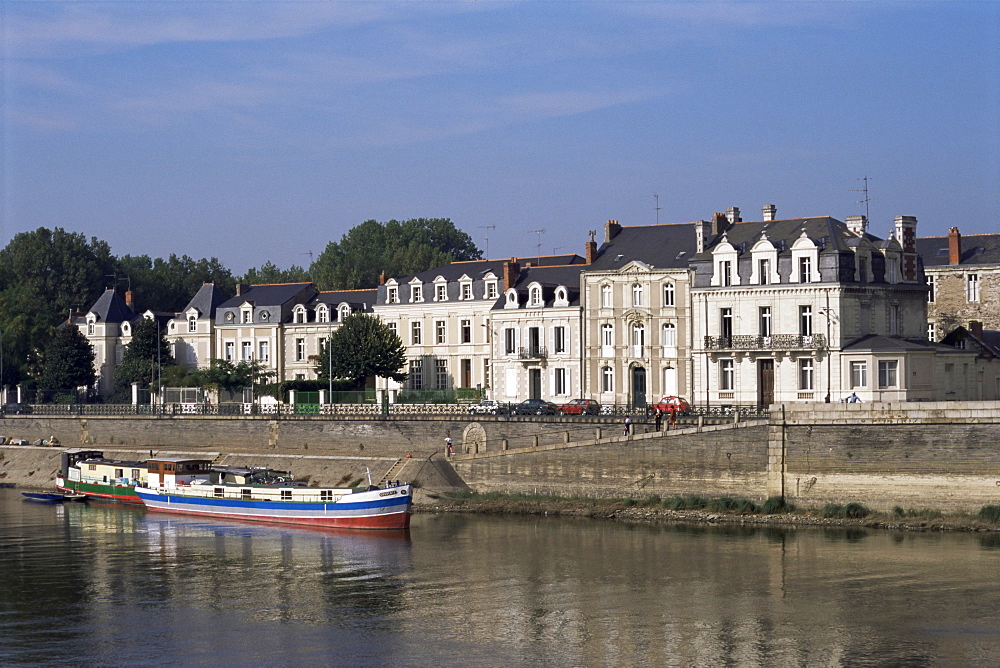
91	466
169	472
241	475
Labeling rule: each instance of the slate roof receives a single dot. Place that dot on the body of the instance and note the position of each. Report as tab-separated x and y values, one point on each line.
109	307
359	300
475	269
271	294
206	300
666	246
550	278
881	343
831	234
976	249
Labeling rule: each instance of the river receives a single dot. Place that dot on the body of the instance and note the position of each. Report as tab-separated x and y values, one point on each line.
108	585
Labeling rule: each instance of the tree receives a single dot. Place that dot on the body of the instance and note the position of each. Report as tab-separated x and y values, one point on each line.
362	347
143	357
69	362
224	376
44	275
398	248
269	273
168	285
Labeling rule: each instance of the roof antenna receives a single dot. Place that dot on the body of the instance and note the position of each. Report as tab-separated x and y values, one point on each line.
656	198
866	199
310	254
538	247
487	237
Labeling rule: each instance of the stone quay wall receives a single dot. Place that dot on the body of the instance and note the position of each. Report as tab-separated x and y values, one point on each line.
943	456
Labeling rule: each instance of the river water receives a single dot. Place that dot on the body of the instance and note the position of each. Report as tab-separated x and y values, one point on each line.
108	585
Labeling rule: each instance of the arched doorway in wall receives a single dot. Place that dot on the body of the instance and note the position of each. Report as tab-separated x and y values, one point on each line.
639	386
474	439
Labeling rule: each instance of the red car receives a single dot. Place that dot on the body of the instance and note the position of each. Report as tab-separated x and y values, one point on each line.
580	407
677	404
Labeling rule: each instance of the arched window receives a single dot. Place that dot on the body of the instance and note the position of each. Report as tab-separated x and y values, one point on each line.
607	379
606	296
669	296
668	338
345	312
535	296
636	295
638	340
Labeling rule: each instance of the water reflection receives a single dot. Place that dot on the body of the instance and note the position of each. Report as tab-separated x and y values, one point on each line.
113	585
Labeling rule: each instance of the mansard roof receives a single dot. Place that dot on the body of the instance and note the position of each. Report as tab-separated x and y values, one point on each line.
359	300
476	269
829	233
880	343
666	246
206	301
272	294
109	307
550	278
977	249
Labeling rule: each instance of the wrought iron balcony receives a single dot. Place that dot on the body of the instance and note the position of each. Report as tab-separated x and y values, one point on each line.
531	353
774	342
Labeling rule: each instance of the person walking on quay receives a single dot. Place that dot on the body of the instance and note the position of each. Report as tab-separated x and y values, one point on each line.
628	426
673	417
448	445
658	419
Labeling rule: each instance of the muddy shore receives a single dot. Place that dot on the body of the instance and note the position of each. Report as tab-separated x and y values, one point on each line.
619	512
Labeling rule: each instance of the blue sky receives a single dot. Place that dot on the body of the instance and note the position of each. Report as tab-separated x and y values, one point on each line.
261	131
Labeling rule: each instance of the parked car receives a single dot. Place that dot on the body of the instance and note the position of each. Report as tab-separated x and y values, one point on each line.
677	404
17	409
580	407
534	407
487	407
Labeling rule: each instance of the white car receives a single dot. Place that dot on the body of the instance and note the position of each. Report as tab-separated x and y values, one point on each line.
487	407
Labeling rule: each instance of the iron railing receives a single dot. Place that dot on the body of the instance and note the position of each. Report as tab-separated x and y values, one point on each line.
775	342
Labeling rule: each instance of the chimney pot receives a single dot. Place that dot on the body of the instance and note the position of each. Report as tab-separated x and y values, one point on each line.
770	211
857	225
733	215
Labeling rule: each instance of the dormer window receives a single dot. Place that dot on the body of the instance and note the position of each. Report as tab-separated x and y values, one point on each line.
246	316
491	290
805	261
323	314
91	327
535	296
764	264
416	293
511	299
300	315
192	324
466	290
561	298
392	295
724	259
345	312
440	289
805	270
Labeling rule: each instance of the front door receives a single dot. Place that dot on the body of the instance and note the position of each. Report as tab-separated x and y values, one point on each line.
534	383
765	382
639	387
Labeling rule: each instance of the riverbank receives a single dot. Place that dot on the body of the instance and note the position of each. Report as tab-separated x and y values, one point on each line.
623	510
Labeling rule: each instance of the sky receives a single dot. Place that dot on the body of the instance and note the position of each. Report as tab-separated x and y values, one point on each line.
257	132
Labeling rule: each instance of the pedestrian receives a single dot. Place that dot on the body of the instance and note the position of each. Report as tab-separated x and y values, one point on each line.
447	443
628	426
854	399
658	419
673	417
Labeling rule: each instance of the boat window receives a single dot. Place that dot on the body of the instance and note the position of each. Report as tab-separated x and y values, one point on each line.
286	495
247	493
326	495
218	491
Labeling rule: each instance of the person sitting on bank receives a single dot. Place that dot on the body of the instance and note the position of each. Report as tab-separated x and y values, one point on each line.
854	399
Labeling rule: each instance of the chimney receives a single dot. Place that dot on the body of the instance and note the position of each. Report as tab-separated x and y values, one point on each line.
381	277
906	235
611	230
702	232
241	288
976	329
857	225
770	211
954	246
719	223
129	301
733	215
591	249
510	272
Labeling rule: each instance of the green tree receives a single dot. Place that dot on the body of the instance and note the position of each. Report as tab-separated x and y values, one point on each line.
69	362
363	346
44	275
398	248
144	356
224	376
168	285
269	273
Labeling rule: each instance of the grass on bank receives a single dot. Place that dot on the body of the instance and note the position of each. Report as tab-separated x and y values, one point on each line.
726	505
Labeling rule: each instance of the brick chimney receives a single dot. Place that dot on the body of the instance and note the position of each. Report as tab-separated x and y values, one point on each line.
591	249
906	235
611	230
769	211
719	224
954	246
129	300
510	271
381	277
976	329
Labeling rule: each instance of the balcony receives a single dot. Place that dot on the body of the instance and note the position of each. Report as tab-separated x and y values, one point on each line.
531	353
775	342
